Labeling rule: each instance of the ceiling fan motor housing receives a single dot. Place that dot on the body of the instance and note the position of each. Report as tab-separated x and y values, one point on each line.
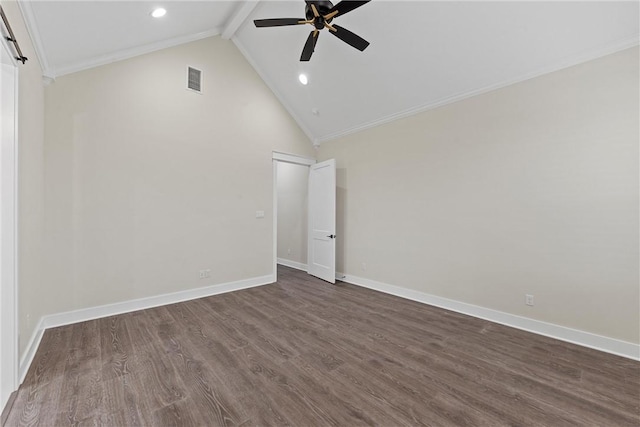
323	6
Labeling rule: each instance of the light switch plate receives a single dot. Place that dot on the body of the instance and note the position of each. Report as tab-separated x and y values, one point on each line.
259	214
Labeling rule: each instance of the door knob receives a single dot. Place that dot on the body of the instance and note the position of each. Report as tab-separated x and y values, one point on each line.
332	236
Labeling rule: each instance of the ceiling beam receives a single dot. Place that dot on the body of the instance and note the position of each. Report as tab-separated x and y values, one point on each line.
242	12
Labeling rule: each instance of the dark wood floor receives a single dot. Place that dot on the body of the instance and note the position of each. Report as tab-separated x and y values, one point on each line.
304	353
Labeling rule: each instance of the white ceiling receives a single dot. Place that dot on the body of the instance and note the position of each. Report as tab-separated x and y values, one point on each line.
76	35
422	53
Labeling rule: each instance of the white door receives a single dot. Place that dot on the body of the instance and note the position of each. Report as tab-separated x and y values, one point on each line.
321	256
8	309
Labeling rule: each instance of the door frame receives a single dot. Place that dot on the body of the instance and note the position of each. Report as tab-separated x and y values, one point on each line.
9	241
279	157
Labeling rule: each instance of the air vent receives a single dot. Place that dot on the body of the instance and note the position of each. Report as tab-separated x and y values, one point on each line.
194	79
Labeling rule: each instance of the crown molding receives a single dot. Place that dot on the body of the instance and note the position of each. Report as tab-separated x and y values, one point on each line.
566	63
36	39
271	86
133	52
50	73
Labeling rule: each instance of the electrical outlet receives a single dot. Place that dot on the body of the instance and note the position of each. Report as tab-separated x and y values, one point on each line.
289	251
205	273
528	299
364	266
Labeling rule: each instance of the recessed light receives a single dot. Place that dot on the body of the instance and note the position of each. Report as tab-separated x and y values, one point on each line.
303	79
159	12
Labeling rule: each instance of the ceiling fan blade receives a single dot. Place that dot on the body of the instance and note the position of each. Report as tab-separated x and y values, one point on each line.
278	22
310	45
349	37
346	6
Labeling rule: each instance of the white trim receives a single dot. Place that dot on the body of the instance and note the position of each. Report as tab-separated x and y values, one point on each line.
569	62
9	229
50	73
16	225
562	333
91	313
293	158
274	180
34	33
132	52
242	13
30	350
271	86
293	264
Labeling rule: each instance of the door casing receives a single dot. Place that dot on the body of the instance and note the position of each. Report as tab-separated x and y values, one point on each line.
8	223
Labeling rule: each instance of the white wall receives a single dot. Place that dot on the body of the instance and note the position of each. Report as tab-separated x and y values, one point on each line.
293	185
30	178
531	189
147	183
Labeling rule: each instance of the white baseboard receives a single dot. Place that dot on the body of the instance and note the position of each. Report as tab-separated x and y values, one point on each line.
562	333
91	313
32	346
292	264
586	339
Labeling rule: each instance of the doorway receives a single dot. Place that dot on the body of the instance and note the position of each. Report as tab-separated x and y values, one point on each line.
292	186
290	207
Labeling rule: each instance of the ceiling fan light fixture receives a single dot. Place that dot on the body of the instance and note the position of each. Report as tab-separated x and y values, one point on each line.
303	79
159	12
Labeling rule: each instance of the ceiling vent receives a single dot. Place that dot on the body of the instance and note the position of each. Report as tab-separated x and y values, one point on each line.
194	79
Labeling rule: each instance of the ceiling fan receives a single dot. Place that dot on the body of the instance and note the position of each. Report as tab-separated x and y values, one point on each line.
320	13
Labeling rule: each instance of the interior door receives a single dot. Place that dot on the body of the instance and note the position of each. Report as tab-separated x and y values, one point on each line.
321	254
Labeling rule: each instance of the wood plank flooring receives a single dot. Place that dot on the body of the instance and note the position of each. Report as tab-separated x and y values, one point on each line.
304	353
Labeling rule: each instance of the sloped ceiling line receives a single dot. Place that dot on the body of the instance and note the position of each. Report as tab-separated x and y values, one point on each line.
271	86
569	62
48	24
458	49
136	51
438	53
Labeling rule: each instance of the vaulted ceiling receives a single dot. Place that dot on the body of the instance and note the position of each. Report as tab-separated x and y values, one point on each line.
422	53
